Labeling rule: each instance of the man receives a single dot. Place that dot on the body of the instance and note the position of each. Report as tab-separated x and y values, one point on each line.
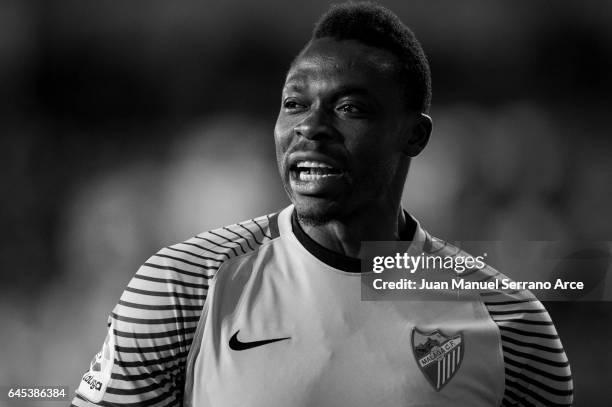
268	312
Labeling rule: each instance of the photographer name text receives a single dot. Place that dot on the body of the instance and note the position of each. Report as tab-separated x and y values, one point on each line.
461	284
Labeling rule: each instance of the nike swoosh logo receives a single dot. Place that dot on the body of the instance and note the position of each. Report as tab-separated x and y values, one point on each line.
235	344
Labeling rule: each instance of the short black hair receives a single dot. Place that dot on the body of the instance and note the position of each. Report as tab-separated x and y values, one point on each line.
377	26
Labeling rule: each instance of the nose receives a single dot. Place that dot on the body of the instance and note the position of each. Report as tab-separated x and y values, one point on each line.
316	126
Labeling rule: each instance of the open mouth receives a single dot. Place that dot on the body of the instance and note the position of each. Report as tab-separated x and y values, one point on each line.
313	171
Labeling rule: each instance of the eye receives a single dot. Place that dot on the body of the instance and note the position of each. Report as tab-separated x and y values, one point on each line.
349	108
292	104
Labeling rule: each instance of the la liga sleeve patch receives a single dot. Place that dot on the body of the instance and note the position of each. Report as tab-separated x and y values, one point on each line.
94	382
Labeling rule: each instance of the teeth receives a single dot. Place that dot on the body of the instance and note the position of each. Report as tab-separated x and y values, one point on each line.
312	164
304	176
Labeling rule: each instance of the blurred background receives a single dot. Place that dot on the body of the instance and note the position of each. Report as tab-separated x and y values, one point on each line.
128	126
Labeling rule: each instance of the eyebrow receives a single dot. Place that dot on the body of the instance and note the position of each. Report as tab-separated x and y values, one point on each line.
353	90
298	84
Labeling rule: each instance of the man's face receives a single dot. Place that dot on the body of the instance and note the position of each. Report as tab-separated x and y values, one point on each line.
342	131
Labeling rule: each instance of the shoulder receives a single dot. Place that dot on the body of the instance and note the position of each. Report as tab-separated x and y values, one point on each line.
537	370
172	285
202	255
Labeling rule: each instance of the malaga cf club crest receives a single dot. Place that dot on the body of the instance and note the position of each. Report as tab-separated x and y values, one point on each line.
438	356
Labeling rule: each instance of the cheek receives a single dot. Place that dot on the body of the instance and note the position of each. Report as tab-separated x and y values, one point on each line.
373	154
281	129
278	132
365	142
282	140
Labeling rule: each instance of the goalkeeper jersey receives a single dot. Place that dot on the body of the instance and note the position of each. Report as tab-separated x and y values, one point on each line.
258	314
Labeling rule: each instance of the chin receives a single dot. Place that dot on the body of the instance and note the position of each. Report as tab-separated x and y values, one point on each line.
316	211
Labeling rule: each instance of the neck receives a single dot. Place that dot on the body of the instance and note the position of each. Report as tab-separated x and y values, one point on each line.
345	236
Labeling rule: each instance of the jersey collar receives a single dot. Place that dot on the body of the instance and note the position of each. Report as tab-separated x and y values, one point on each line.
338	260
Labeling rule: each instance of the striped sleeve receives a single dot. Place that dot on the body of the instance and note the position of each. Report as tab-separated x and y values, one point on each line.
537	370
150	330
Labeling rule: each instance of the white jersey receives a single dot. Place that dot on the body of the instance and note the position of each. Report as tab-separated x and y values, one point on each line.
258	314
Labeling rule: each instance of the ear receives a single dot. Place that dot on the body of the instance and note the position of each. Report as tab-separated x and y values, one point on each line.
419	137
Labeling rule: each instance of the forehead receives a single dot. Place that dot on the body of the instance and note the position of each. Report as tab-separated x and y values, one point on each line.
342	61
